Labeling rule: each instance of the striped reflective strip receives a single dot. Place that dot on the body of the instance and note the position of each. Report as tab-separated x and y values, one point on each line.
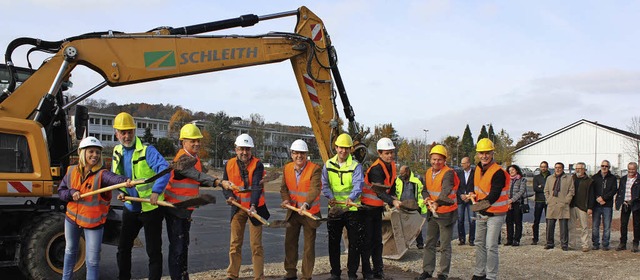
171	194
184	185
87	219
370	196
314	203
94	202
143	188
500	203
245	199
297	193
434	193
341	193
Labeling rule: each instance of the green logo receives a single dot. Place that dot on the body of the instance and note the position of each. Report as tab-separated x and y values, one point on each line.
159	60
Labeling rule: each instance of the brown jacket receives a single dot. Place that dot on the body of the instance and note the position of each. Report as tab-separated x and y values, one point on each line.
558	206
314	189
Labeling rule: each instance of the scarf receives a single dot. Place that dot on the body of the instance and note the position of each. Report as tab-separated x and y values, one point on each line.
517	177
556	185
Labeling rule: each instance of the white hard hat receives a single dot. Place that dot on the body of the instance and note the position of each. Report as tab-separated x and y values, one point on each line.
90	142
299	146
385	144
244	140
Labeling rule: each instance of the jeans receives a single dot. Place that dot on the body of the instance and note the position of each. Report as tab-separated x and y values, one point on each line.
93	241
132	222
537	215
603	214
514	223
372	242
487	259
178	233
465	214
352	220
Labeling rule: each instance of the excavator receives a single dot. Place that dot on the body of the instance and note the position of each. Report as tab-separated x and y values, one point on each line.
36	131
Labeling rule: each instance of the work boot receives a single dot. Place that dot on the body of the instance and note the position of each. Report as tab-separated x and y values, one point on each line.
334	277
516	243
460	242
634	249
424	276
622	246
476	277
442	277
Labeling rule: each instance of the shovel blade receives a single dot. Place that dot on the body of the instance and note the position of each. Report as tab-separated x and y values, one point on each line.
196	201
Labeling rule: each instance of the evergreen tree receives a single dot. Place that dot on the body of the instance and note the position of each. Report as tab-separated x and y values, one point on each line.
147	138
467	148
492	134
483	133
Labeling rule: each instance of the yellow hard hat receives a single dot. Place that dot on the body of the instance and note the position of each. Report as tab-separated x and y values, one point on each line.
485	145
190	131
124	121
439	149
344	140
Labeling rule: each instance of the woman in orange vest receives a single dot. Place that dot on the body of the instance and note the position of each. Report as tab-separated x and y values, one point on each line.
86	214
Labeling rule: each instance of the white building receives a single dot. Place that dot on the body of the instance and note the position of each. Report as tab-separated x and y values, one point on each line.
582	141
101	127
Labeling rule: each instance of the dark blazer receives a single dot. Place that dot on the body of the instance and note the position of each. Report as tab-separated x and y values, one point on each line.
606	187
465	187
635	194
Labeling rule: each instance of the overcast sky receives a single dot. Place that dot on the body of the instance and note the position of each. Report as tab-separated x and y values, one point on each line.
436	65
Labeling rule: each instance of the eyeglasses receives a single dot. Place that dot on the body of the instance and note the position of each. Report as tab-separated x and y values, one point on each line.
604	166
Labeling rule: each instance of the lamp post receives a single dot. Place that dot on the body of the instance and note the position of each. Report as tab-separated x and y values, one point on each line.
426	148
216	151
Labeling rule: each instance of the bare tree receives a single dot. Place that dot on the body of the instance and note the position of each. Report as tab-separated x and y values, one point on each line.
632	145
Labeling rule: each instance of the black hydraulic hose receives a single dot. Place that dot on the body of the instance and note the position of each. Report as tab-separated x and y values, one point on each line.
49	45
348	110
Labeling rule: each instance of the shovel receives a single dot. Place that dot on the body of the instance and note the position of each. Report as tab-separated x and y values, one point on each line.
196	201
432	208
138	199
409	204
313	217
133	183
258	217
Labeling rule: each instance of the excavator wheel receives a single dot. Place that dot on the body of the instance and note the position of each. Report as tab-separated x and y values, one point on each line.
42	250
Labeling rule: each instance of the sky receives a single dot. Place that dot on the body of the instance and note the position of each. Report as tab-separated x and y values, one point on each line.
420	65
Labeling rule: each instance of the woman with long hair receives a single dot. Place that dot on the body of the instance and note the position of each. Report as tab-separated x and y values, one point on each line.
86	215
516	198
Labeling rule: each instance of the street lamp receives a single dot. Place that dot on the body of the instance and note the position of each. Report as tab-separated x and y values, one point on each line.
216	151
426	148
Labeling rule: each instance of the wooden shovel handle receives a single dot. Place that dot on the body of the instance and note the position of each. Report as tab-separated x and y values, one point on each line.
291	207
258	217
349	204
138	199
110	188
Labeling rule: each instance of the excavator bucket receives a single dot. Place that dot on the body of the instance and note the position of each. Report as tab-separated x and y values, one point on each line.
399	229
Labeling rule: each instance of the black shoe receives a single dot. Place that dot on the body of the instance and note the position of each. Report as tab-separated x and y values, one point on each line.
475	277
621	247
547	247
606	248
509	243
381	276
471	243
634	249
420	246
290	278
595	248
353	277
516	243
334	277
442	277
424	276
461	242
534	242
565	249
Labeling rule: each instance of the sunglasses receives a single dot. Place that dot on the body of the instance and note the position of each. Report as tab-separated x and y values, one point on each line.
603	166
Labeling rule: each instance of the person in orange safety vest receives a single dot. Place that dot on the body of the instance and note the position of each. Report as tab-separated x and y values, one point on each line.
185	184
300	188
86	215
491	190
441	185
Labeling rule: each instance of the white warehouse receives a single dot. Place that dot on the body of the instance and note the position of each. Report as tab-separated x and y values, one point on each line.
585	141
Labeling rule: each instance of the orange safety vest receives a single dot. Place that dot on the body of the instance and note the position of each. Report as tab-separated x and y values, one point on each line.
233	174
434	186
186	188
482	187
299	189
369	197
90	211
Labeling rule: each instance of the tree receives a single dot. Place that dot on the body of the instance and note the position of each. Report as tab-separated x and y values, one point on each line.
452	144
166	147
148	136
483	133
257	133
491	135
178	119
467	147
504	148
632	145
222	138
379	131
527	138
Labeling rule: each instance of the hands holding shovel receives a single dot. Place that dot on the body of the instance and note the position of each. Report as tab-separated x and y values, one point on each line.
433	206
251	211
302	211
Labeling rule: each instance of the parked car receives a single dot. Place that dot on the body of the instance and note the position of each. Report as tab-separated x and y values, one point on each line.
527	172
536	172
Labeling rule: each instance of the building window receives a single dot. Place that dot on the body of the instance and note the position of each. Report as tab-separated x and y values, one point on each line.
96	135
155	126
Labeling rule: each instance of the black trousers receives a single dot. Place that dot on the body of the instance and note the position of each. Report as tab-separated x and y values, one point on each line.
537	215
625	213
514	223
352	221
372	241
131	224
564	232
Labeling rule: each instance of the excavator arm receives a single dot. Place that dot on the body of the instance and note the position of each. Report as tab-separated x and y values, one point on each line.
123	59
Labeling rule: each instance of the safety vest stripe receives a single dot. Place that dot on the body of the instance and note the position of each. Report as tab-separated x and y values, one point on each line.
500	203
169	194
177	185
245	199
144	188
370	196
87	219
478	189
341	193
94	202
